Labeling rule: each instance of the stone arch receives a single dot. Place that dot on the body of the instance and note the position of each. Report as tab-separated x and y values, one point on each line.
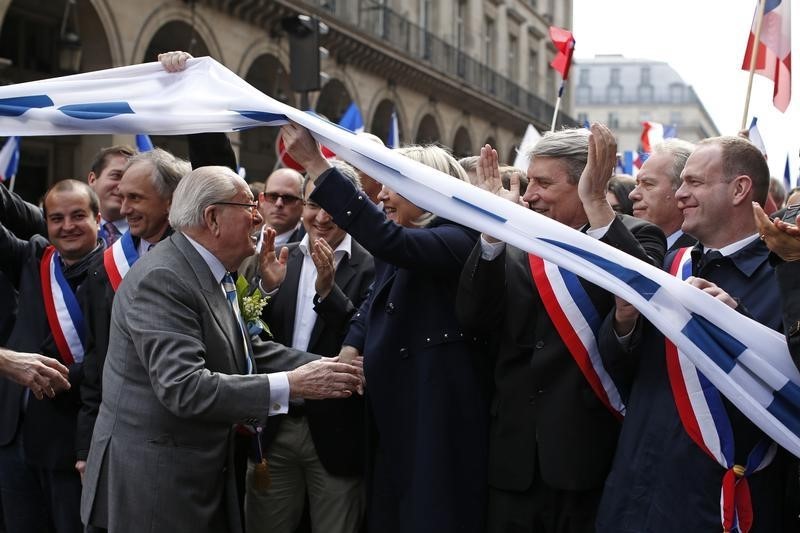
462	143
333	100
161	17
381	120
428	130
111	30
257	152
258	48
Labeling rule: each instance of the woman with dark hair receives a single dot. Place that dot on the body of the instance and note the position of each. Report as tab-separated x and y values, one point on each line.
619	187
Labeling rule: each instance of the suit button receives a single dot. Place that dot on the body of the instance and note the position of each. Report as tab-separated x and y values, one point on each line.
348	213
539	345
389	308
403	353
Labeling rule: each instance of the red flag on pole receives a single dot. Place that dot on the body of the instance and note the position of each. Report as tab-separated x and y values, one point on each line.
774	56
565	44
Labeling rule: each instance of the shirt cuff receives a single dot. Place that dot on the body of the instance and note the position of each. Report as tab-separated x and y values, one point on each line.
599	233
265	292
278	393
490	250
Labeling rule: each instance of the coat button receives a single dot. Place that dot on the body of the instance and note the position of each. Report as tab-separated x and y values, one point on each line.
348	213
390	308
403	353
360	197
539	345
445	335
428	339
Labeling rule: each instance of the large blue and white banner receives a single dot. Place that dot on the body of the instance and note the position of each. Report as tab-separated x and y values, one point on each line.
746	361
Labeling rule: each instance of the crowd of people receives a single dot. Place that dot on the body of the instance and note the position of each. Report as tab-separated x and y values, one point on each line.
191	352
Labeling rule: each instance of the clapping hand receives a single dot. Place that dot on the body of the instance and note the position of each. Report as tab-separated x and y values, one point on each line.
780	237
322	255
593	183
488	171
271	266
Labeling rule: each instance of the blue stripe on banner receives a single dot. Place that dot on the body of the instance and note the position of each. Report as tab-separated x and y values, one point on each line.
770	5
71	302
720	347
95	111
578	293
18	105
261	116
644	286
720	416
784	406
131	255
480	209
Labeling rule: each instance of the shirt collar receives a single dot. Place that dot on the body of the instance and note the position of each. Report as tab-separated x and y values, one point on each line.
734	247
746	254
217	269
343	249
673	238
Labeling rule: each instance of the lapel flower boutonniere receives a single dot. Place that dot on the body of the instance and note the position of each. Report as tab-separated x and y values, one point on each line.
251	306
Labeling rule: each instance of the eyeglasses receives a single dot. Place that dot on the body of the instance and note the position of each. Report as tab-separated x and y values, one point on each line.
253	206
288	199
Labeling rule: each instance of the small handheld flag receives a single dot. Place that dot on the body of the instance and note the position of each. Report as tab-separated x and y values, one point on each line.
565	46
394	132
143	142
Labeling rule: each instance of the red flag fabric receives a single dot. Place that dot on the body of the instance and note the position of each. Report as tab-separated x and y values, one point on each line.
774	55
565	44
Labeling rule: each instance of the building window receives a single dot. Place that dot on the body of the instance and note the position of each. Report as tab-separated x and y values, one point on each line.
533	70
584	95
676	93
426	22
645	79
614	94
614	77
488	40
645	93
461	20
613	120
583	76
513	58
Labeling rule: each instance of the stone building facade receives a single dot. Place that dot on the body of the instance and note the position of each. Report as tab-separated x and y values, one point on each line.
458	72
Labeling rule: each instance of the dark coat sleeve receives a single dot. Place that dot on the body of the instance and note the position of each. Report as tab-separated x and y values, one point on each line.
481	290
21	218
789	281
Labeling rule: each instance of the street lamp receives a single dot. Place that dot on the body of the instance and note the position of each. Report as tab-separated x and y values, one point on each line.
69	41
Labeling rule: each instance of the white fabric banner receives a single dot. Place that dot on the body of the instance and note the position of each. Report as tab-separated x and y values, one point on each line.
747	362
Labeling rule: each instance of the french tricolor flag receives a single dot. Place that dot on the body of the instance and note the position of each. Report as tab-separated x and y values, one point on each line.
774	54
9	159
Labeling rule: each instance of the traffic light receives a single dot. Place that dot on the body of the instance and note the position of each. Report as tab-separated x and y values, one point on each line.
304	56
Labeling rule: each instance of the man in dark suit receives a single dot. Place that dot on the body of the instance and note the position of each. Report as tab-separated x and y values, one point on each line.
318	447
180	372
146	188
654	195
551	438
661	480
38	483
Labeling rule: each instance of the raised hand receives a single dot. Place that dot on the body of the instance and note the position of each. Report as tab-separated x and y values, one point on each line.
271	266
322	255
488	172
174	61
304	149
780	237
593	183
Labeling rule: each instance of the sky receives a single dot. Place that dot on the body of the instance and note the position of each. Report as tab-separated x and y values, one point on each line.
704	41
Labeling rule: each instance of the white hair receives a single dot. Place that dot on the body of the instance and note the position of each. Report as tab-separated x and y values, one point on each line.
203	187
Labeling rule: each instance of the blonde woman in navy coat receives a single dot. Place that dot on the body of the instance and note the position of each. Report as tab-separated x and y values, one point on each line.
425	384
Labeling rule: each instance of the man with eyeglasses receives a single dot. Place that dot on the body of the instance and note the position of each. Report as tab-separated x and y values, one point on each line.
281	205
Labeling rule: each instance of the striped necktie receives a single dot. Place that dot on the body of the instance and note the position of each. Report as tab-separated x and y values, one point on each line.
230	292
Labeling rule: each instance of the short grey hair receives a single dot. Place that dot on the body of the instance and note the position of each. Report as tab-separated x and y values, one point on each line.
168	170
680	151
345	169
203	187
569	145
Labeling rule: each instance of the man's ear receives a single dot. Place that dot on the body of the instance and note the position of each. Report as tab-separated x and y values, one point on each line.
210	217
91	178
742	188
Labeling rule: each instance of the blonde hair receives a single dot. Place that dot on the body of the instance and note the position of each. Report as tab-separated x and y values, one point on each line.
438	158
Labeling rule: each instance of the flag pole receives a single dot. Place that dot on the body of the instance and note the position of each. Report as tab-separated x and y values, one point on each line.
12	181
558	105
753	55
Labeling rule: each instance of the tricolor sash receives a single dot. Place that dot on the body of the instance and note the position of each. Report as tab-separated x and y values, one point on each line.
705	419
64	315
119	259
576	319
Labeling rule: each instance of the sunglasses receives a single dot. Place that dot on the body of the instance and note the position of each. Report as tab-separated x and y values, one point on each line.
288	199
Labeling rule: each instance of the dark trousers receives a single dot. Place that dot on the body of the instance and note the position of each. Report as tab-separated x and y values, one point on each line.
36	499
542	509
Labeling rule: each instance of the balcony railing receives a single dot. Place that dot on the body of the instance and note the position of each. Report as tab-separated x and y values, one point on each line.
379	21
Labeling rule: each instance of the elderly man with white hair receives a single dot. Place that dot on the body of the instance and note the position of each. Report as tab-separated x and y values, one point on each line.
181	371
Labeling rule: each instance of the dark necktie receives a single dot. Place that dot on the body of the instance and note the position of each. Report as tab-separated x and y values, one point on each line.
110	234
708	258
230	291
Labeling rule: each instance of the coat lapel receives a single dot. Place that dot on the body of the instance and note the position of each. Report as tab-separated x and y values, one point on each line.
286	305
215	299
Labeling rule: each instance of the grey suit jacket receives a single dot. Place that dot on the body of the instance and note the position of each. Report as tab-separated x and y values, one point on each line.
173	387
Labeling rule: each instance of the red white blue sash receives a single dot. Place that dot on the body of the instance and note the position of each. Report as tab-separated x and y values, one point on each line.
576	319
705	419
64	315
120	258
